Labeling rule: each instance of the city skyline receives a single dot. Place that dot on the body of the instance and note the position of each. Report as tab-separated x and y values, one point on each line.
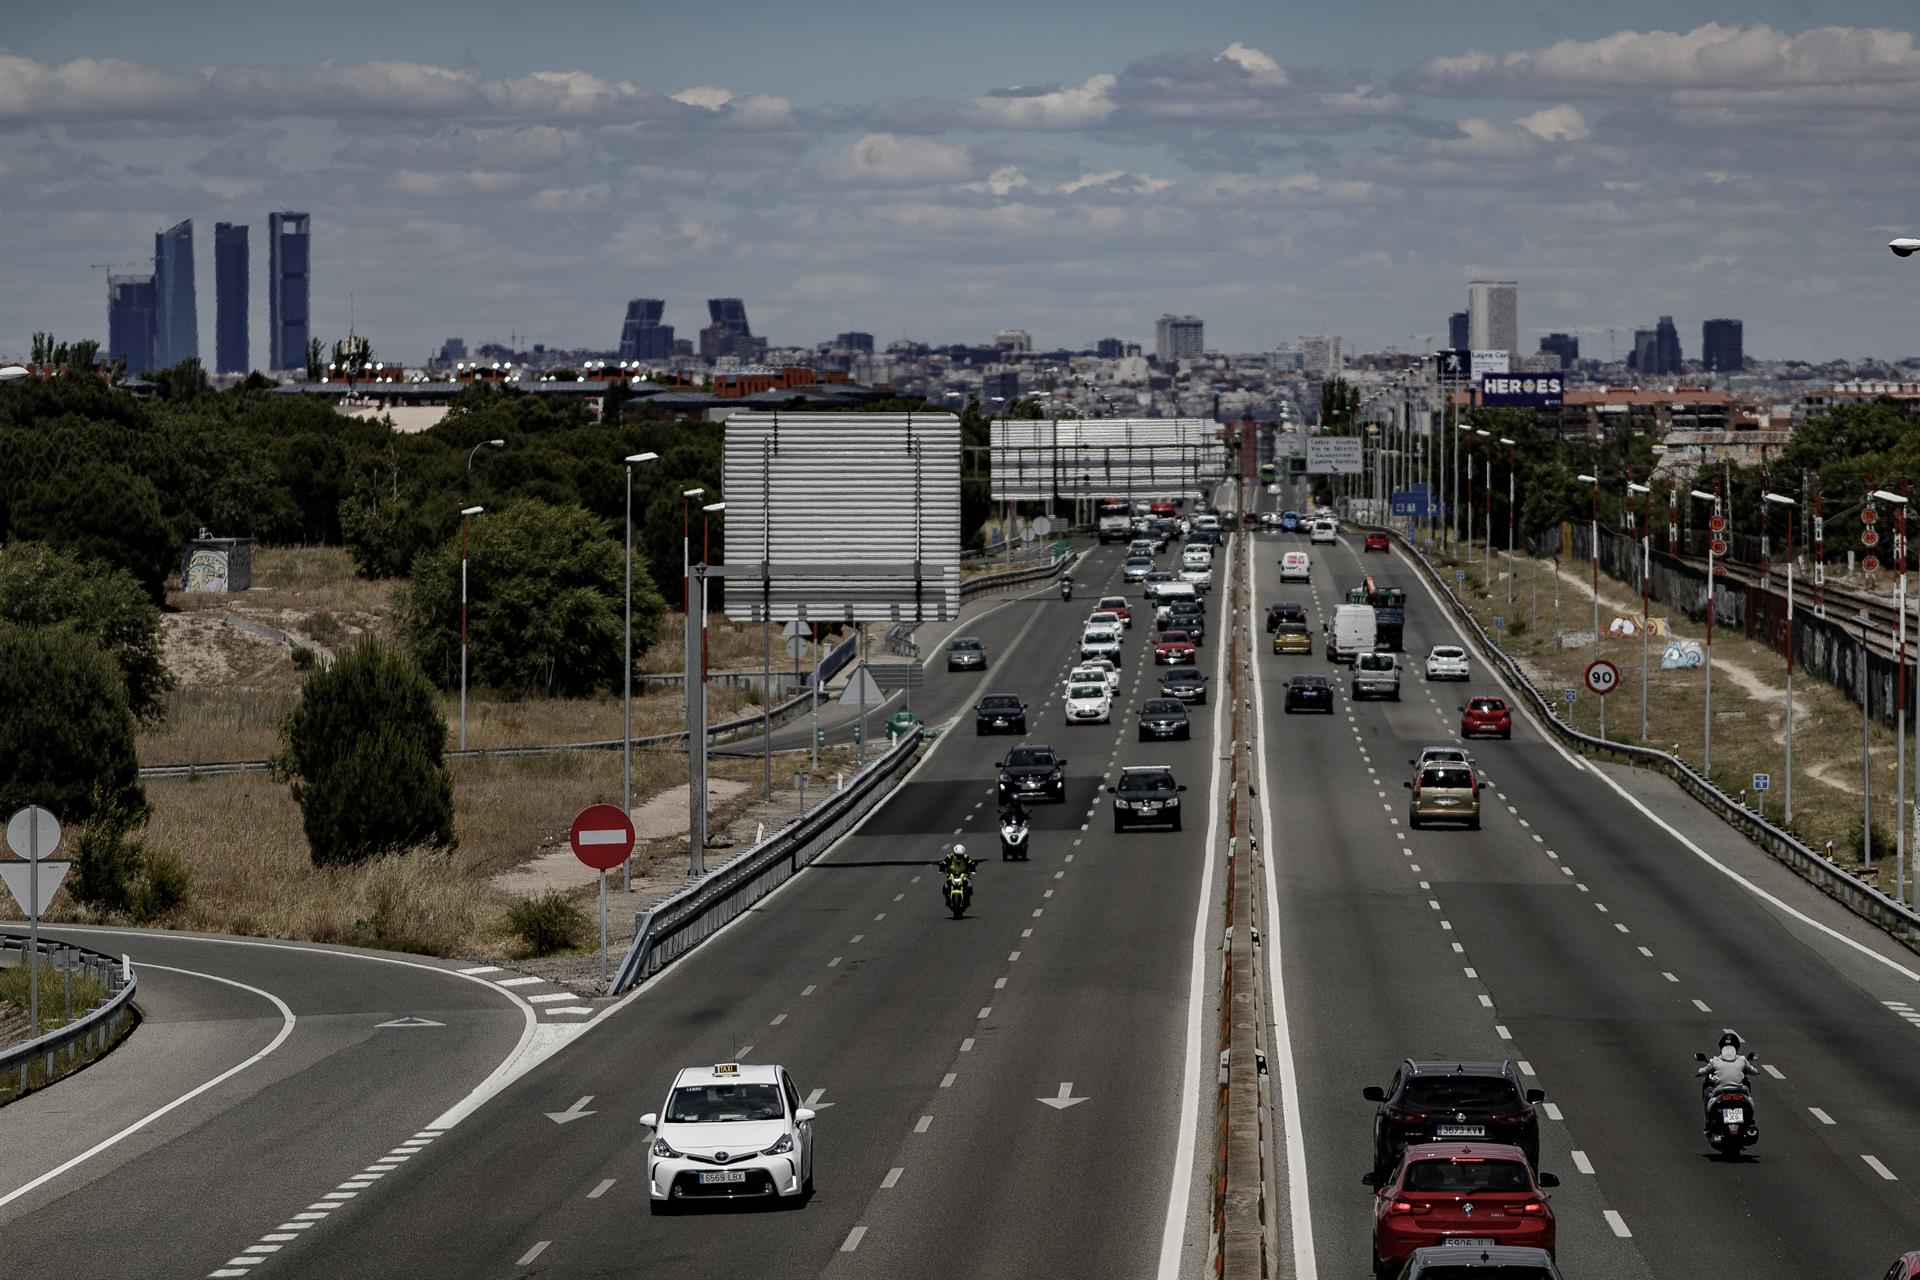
1272	175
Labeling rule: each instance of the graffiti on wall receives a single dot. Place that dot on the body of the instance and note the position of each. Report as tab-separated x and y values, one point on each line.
207	570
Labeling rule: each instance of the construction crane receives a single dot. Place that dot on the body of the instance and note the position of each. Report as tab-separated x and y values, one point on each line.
109	266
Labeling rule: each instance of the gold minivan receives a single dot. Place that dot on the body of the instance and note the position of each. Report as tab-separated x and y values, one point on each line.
1444	793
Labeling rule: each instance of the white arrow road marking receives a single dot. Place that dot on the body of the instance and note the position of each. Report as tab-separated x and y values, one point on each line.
577	1111
813	1101
1064	1099
409	1022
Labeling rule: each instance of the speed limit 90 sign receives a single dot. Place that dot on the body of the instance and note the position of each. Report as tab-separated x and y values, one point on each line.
1603	677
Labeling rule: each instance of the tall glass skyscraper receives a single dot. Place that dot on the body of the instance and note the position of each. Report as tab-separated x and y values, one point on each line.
177	326
289	238
642	336
131	305
1493	316
230	297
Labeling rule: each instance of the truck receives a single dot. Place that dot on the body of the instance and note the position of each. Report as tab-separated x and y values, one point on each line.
1352	631
1116	522
1389	606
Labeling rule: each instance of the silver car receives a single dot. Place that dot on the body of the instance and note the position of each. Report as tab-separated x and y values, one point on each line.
1136	569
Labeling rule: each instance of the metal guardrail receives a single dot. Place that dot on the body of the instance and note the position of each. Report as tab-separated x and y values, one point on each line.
900	641
785	711
94	1030
993	581
682	922
1849	890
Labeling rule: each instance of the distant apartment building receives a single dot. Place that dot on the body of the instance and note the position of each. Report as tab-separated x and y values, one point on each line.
642	336
230	298
1110	348
1564	345
1644	358
853	340
998	391
1179	338
1320	356
453	350
177	324
1493	316
1457	331
132	321
729	335
1722	346
1013	341
289	297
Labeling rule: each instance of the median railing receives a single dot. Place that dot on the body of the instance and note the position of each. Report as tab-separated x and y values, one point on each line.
38	1062
688	918
1851	891
1061	556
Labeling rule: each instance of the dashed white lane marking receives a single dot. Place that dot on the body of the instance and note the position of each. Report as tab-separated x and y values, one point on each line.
606	1185
1601	905
1581	1162
1772	1070
1552	1110
1486	1001
966	1046
892	1179
809	989
1618	1223
946	1081
481	968
1879	1168
516	982
999	984
852	1241
899	897
1012	956
1648	954
778	1018
1701	1005
923	1124
1026	933
882	916
1820	1115
550	997
1471	973
834	963
1622	928
1504	1033
1037	911
1668	976
533	1253
1434	903
858	937
1526	1068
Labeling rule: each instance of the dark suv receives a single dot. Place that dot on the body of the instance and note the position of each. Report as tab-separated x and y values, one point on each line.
1000	713
1032	771
1146	794
1453	1101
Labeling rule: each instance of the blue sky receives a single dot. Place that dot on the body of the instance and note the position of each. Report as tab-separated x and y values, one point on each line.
941	171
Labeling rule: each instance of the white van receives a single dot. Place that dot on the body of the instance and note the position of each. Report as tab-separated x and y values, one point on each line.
1296	566
1375	675
1352	631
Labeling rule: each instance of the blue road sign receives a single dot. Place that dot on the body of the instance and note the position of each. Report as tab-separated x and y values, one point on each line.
1570	696
1459	575
1761	781
1498	622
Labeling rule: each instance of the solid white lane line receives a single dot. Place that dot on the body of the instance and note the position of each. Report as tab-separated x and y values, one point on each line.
892	1179
853	1240
606	1185
1820	1115
1880	1169
286	1029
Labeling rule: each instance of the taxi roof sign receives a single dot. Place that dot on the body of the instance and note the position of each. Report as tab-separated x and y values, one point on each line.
726	1068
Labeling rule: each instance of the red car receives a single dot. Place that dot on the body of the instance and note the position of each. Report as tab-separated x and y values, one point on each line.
1173	648
1117	605
1462	1194
1486	716
1376	542
1905	1267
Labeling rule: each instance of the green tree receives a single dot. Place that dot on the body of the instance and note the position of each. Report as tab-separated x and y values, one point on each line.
546	595
364	751
316	359
106	513
1339	402
66	737
42	586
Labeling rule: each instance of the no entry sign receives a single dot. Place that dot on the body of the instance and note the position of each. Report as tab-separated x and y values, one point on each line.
602	836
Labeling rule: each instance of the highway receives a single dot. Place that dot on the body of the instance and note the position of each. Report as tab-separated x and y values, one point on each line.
1581	938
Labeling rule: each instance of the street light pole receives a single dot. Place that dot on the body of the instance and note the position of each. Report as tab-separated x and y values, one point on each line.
1866	754
1510	519
1486	569
484	444
626	702
1593	552
1899	502
464	514
1706	750
1646	572
1781	500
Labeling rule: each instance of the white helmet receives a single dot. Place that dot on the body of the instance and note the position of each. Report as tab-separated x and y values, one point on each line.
960	849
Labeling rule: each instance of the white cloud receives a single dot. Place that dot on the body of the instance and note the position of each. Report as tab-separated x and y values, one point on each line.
706	96
1260	68
887	157
1556	124
1116	180
1050	108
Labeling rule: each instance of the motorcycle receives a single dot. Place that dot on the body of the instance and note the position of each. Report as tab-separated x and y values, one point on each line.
1013	840
1731	1124
958	891
1066	588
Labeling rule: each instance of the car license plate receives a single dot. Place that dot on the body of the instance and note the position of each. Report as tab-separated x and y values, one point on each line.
724	1175
1460	1131
1147	807
999	723
1468	1242
1732	1115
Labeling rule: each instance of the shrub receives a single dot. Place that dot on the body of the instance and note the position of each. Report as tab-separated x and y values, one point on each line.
44	586
66	735
161	888
546	924
103	513
106	861
364	751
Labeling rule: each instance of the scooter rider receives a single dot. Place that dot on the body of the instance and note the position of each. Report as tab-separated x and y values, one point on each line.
1066	586
1727	1068
1014	812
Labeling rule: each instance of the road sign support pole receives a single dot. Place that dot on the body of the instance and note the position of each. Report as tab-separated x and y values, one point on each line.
1603	719
33	931
813	703
603	928
1646	670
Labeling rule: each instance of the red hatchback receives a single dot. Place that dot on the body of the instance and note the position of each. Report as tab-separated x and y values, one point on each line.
1173	648
1376	542
1486	716
1460	1194
1905	1267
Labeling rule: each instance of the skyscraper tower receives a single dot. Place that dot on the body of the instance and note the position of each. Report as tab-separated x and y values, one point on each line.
1457	332
230	297
729	334
177	325
1666	348
1179	338
289	238
1722	347
642	336
132	304
1493	316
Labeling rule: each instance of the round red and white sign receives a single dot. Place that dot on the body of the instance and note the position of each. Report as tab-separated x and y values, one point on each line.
1869	516
1717	523
1603	677
1718	546
602	836
1869	537
1871	564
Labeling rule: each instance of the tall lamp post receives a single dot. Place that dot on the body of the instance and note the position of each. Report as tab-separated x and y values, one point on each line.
1706	748
1510	520
1866	754
697	713
626	709
1781	500
1593	551
1899	502
1646	572
465	514
686	543
1486	482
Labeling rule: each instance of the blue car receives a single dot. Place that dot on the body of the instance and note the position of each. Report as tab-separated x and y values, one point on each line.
1290	522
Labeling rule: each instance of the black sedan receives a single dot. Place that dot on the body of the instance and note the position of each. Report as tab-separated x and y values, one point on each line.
1188	684
1284	611
1033	772
1147	794
1165	718
1000	713
1189	616
1309	693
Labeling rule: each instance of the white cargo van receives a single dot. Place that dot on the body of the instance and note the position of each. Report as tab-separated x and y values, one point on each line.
1375	675
1352	631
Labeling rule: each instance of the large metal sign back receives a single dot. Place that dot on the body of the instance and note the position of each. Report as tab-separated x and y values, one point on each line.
1069	458
854	516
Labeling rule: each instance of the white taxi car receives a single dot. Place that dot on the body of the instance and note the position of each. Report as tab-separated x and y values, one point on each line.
1089	702
1098	671
1101	642
729	1132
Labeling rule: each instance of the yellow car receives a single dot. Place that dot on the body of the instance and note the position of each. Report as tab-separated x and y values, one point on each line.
1292	637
